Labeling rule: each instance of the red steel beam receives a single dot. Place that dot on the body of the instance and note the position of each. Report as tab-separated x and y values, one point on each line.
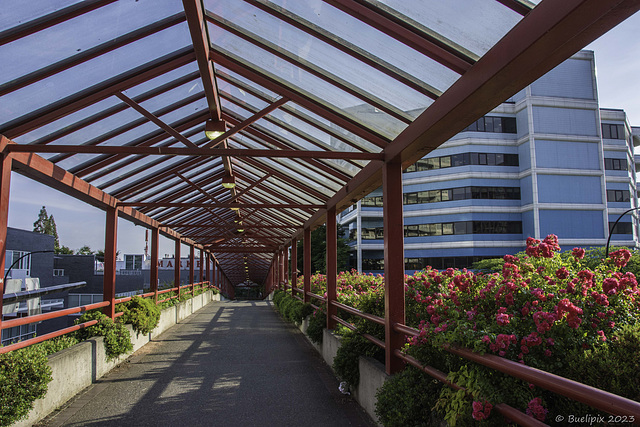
332	267
100	91
153	268
306	266
219	205
110	250
393	263
200	38
5	184
294	266
176	267
517	6
171	131
193	151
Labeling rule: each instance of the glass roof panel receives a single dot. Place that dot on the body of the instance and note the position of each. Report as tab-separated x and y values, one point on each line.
369	39
302	81
79	34
21	12
318	55
474	24
66	83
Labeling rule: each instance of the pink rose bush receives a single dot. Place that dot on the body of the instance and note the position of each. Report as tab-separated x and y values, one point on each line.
544	309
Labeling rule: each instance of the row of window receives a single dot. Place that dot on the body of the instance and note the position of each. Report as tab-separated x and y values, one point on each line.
464	159
439	263
618	195
613	131
450	194
493	124
621	228
615	164
446	228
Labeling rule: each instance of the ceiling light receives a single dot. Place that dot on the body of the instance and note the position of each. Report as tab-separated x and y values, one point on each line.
213	129
228	181
240	230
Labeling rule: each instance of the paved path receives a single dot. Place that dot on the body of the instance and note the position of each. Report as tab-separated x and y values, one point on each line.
232	363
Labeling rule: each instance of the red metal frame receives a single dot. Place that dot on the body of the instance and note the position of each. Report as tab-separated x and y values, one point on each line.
153	272
5	187
306	267
393	262
332	267
294	267
110	251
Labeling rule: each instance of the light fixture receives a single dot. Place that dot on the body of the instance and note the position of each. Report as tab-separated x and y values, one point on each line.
228	181
240	230
213	129
235	208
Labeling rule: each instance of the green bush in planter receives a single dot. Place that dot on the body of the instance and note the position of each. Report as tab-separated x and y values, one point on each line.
407	399
317	322
142	313
346	362
117	339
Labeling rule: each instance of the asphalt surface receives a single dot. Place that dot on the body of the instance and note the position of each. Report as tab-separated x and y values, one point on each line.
233	363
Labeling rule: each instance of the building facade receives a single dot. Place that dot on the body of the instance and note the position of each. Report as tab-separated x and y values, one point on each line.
547	161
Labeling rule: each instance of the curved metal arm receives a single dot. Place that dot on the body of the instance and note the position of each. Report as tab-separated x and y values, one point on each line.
16	261
614	226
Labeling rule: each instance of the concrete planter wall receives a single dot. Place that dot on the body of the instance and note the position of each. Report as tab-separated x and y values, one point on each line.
372	372
77	367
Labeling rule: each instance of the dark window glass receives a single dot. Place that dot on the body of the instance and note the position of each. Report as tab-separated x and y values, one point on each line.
488	124
509	125
615	164
621	228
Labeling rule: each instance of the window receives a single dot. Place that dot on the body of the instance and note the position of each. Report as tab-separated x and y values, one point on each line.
493	124
76	300
621	228
133	262
618	196
613	131
22	260
372	201
615	164
464	159
462	193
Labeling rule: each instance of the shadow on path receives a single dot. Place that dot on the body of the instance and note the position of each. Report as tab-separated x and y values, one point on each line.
233	363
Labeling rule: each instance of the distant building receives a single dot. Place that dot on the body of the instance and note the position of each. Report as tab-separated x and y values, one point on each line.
548	160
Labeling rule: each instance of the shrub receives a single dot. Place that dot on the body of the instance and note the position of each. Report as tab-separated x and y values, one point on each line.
24	377
117	339
142	313
407	399
317	322
346	362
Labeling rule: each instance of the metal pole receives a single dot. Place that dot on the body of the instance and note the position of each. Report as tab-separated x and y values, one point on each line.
5	182
332	266
176	267
393	262
192	257
306	267
613	228
294	266
110	249
201	265
153	272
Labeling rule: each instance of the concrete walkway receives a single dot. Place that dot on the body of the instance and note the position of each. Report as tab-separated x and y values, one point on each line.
232	363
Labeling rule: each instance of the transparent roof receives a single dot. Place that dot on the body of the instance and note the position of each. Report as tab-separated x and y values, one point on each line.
118	93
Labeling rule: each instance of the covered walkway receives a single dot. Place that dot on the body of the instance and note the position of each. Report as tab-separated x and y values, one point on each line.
233	363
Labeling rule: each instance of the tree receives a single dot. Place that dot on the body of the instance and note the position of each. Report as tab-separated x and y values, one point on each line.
319	251
40	226
85	250
53	230
64	250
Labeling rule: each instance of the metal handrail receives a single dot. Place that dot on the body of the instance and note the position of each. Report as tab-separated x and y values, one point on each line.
52	315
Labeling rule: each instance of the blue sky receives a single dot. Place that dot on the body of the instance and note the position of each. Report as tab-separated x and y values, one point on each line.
618	69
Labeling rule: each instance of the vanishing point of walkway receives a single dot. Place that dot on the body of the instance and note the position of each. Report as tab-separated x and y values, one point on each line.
233	363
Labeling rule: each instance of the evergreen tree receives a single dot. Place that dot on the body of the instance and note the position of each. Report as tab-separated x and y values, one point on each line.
53	230
40	226
319	251
85	250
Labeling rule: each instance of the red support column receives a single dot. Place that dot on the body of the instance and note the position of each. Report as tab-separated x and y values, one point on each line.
5	182
294	266
192	257
215	271
306	266
285	265
332	266
206	268
110	249
212	261
393	262
201	265
176	267
153	272
276	267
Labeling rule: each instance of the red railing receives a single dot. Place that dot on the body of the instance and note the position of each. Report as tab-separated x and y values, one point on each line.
81	309
596	398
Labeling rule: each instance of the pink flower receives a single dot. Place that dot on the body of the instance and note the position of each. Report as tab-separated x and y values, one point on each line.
535	409
620	257
562	273
578	253
481	410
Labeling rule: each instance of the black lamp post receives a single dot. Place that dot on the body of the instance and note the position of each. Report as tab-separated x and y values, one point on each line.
614	226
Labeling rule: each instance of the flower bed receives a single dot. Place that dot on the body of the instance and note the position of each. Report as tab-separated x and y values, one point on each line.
543	310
